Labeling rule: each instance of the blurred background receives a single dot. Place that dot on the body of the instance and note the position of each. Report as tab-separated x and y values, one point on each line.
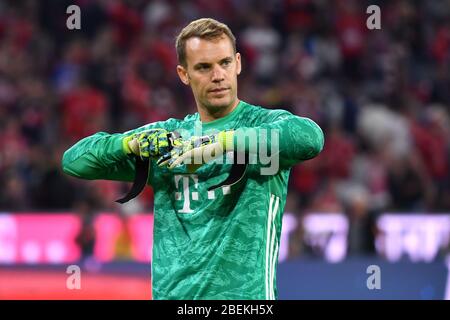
378	194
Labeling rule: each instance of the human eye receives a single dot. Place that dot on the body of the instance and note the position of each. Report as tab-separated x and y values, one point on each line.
226	62
202	67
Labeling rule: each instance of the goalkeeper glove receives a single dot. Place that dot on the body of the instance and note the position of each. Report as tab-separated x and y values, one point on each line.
152	143
197	150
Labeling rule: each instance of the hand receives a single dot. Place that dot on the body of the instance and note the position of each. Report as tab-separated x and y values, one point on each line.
197	150
152	143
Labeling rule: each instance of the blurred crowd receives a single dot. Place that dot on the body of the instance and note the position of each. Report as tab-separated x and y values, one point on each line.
382	96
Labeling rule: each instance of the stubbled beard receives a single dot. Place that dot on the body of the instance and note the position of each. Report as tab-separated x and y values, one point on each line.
214	108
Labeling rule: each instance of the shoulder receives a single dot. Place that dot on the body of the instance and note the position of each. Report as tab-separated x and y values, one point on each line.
175	123
191	117
265	114
170	124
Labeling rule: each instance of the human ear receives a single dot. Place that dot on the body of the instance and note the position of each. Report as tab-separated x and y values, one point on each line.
238	63
182	73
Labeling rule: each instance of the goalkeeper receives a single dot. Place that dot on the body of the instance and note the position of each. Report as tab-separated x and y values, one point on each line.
217	216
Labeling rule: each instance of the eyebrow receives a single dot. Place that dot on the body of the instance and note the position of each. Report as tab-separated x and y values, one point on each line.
207	64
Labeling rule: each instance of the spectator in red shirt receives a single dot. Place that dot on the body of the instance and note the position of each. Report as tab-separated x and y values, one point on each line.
84	112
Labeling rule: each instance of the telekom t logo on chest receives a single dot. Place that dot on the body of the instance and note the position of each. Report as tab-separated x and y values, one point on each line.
187	191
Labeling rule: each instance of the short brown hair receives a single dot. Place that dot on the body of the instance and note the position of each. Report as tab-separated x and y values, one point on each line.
204	28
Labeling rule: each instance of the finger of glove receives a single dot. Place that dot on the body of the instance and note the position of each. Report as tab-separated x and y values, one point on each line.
193	156
148	148
162	145
144	142
175	162
197	156
168	157
142	136
144	148
164	160
154	145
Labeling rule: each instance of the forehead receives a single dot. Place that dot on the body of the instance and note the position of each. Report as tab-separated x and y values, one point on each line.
211	50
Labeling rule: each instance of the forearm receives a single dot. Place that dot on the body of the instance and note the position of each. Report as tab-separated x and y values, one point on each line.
100	156
293	138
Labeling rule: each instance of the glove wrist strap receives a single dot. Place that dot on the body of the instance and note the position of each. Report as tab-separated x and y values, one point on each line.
125	146
226	140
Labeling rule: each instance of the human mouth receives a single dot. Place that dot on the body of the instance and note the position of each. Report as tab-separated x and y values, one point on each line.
218	90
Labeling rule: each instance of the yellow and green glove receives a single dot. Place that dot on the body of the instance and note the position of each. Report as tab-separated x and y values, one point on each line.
197	150
152	143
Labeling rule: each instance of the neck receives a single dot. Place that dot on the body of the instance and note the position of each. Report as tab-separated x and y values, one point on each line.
208	115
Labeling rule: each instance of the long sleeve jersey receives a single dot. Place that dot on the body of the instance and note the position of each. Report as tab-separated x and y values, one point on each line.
222	243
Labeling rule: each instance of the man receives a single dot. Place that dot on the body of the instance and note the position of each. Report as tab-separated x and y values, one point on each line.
212	239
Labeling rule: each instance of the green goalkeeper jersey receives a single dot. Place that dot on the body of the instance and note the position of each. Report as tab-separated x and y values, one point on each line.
217	244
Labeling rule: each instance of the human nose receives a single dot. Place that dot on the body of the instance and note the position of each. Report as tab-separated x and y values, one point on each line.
217	74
